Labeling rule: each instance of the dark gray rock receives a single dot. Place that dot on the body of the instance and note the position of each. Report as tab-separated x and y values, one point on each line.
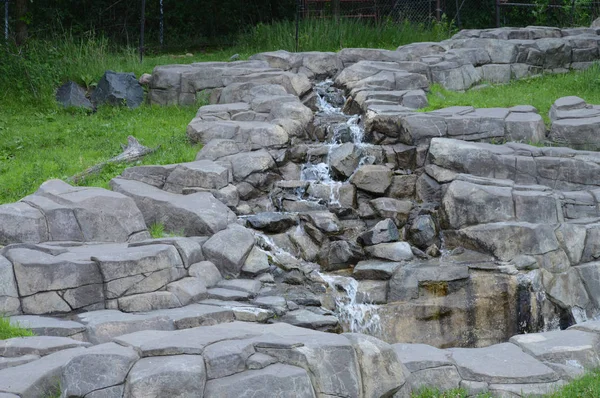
71	94
118	89
383	232
167	376
99	367
271	222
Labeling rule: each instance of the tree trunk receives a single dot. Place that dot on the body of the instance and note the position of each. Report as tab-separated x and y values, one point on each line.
21	26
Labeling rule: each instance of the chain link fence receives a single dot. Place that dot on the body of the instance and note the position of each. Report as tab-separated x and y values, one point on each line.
463	13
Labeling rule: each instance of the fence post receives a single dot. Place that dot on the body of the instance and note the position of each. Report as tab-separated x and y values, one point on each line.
573	13
6	20
298	8
438	10
162	24
142	23
497	13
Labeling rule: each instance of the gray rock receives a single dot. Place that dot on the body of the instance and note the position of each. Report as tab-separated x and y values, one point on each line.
576	133
397	210
525	127
195	315
226	358
228	294
383	232
423	231
421	356
37	345
99	367
344	160
71	94
442	378
310	320
398	251
372	178
199	174
228	250
148	302
271	222
325	221
568	347
281	381
37	378
375	269
252	314
382	372
189	249
195	215
118	89
188	290
9	296
109	392
17	361
259	361
20	222
523	369
256	263
103	326
338	254
173	376
244	285
206	271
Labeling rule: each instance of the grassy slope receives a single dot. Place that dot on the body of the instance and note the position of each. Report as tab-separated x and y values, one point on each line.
540	92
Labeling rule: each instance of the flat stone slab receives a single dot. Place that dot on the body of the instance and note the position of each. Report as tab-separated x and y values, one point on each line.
37	345
16	361
421	356
310	320
282	381
375	269
504	363
187	341
47	326
195	315
228	294
37	378
574	348
103	326
250	286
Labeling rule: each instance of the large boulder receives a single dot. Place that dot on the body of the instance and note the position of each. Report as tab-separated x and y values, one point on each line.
118	89
71	95
194	215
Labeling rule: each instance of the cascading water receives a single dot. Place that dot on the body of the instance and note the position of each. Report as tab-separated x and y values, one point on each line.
355	317
351	132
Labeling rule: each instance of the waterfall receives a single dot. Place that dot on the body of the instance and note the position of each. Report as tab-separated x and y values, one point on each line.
354	317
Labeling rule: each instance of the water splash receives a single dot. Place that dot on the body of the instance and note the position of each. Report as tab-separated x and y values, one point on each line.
355	317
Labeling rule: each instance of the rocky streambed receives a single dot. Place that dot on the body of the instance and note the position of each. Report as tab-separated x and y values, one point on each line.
329	233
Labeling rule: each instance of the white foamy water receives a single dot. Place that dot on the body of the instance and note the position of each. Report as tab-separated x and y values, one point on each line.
354	317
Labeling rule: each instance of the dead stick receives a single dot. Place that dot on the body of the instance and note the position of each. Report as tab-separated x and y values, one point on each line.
132	152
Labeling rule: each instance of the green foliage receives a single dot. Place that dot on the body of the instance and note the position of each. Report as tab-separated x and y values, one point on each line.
332	35
8	330
540	92
157	230
587	386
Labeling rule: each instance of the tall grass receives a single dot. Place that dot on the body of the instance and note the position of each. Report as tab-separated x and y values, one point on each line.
333	35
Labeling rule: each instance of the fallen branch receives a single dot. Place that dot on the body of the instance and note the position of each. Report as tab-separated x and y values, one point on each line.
132	152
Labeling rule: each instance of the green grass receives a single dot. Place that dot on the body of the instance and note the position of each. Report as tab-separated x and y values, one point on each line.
331	35
8	330
540	92
587	386
53	143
